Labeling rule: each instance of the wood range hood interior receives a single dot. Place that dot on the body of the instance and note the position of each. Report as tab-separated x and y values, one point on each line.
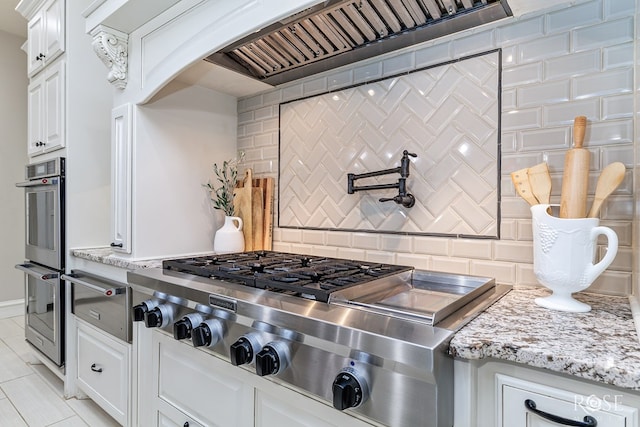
338	32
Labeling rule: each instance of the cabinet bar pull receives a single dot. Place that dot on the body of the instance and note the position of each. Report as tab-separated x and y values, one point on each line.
589	421
94	368
116	245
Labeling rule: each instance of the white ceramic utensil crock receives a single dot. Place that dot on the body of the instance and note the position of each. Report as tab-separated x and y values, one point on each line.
563	255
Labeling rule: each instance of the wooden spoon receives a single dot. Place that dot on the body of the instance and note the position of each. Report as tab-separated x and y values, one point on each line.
540	182
608	181
520	180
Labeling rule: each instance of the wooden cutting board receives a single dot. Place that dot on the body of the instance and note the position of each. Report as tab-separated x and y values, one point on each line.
243	205
255	207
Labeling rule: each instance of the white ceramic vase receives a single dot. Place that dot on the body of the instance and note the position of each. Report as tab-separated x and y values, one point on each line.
563	255
229	237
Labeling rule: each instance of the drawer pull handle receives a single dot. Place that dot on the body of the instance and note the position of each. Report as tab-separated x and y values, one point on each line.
94	368
589	421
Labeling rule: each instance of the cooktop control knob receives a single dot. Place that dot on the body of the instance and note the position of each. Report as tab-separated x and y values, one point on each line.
183	327
242	351
350	389
159	317
272	359
140	309
208	333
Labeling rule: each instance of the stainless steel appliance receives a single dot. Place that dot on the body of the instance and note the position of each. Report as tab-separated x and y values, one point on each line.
365	337
101	302
45	253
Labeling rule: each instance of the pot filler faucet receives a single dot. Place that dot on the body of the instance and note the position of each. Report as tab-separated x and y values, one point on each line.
403	198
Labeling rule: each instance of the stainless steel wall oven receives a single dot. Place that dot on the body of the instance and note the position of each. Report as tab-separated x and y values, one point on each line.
45	254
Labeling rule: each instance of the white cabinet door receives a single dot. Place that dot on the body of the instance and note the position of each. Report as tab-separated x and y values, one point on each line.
121	171
103	370
46	110
35	111
551	407
206	389
46	36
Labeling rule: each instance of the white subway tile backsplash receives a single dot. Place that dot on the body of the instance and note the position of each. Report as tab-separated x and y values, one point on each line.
576	16
609	133
618	56
547	47
573	65
604	34
521	31
314	87
433	55
271	125
617	107
398	64
522	74
464	248
451	265
513	251
585	49
545	93
617	153
396	243
340	79
522	119
623	260
606	83
544	139
366	240
367	72
503	272
612	283
477	42
618	8
565	113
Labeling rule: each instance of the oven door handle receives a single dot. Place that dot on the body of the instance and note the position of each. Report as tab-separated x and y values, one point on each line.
32	270
54	180
109	292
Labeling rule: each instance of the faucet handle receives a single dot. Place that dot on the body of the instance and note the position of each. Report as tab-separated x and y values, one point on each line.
406	201
405	153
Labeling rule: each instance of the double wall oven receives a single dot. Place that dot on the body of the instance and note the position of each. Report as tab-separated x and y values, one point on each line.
45	255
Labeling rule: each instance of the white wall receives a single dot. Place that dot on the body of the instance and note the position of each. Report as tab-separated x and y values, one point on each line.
179	135
13	158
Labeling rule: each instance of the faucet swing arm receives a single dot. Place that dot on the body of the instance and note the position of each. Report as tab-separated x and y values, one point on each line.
403	198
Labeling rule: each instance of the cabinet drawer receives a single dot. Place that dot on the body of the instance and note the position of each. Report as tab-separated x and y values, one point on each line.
168	416
607	410
103	371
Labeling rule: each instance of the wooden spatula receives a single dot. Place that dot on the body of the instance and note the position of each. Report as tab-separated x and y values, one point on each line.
540	182
608	181
520	180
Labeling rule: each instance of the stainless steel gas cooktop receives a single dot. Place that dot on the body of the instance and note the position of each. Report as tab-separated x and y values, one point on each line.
363	336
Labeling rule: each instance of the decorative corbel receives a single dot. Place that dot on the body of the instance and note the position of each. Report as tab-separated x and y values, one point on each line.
111	47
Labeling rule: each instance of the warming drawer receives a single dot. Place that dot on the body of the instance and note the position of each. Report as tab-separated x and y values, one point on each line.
104	303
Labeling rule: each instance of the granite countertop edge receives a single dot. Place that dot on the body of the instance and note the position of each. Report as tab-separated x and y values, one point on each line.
107	256
601	345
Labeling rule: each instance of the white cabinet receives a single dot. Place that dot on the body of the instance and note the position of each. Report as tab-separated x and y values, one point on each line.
497	393
45	35
528	404
189	385
121	164
46	110
103	370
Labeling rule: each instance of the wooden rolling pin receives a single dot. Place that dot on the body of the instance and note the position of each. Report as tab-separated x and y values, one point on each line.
575	179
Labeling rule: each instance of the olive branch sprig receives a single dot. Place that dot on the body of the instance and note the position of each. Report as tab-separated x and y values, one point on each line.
222	196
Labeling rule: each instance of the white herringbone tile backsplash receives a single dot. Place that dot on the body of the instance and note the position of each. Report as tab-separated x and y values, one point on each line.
447	115
555	66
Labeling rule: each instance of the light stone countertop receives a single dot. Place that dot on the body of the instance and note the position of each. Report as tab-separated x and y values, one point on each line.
601	345
107	256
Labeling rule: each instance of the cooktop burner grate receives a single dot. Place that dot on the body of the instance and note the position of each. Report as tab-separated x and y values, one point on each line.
305	275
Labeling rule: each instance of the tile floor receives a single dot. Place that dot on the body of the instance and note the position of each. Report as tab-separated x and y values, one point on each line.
30	394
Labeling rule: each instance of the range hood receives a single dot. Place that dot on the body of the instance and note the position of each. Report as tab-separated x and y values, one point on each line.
338	32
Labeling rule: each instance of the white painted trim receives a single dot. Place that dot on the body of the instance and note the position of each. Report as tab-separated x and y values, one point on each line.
11	308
